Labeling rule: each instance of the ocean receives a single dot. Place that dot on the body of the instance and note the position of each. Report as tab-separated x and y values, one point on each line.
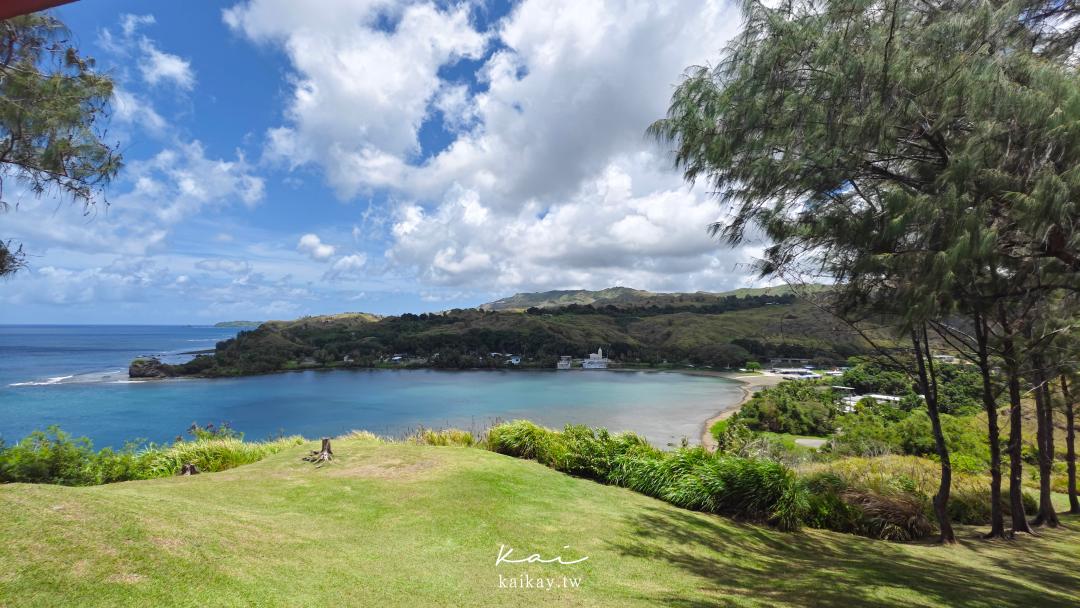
75	376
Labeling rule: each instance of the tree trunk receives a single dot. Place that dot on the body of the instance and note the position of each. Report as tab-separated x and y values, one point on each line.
928	383
1016	465
1070	446
1044	438
325	454
997	518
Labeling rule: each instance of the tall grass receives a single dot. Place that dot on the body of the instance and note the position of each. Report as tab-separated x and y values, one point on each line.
53	456
444	437
211	455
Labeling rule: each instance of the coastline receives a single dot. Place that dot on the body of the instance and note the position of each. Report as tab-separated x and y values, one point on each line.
750	384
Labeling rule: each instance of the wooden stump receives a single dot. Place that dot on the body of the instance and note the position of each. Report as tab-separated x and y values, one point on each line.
189	469
323	455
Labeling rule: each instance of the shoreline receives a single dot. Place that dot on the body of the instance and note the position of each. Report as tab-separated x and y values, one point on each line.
749	384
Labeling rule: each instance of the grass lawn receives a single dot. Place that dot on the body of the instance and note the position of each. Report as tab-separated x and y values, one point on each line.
397	524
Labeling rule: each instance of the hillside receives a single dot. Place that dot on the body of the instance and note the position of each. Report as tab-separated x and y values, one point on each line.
409	525
718	332
625	296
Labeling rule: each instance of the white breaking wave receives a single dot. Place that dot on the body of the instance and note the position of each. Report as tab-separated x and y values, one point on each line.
56	380
102	376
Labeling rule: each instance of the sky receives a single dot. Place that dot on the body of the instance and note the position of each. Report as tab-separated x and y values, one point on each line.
289	158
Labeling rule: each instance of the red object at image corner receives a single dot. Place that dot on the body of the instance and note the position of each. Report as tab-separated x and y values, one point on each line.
14	8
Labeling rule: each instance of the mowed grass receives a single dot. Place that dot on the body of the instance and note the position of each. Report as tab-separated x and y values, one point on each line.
411	525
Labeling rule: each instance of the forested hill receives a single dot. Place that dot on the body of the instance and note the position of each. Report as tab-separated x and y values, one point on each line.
722	331
624	296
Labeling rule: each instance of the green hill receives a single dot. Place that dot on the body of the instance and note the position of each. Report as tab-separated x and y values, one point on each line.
699	329
625	296
238	324
553	299
410	525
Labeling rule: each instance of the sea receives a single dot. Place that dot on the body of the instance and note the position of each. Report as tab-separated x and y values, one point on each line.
75	377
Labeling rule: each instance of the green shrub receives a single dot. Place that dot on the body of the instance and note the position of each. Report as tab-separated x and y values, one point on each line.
896	516
520	438
692	478
826	507
53	456
446	437
49	456
796	407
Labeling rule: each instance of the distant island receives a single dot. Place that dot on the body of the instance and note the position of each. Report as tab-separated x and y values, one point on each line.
238	324
636	329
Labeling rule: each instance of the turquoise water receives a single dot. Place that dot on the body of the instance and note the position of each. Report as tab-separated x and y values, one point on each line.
75	376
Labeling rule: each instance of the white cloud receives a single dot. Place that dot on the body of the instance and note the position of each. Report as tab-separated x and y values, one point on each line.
129	108
312	245
180	181
549	180
159	67
360	93
349	266
223	265
129	23
615	230
155	66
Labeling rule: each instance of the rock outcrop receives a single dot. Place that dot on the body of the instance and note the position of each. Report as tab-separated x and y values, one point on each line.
149	368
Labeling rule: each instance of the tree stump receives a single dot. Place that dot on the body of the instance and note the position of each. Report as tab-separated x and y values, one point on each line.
323	455
189	469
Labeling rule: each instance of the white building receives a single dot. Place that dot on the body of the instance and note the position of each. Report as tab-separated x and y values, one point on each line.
596	360
564	363
949	359
852	401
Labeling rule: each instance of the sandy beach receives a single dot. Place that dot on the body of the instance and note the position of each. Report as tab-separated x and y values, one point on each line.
750	384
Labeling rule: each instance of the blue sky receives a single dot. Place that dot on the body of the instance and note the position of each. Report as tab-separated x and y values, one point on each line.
287	158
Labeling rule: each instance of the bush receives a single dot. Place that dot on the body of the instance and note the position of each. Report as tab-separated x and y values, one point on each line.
692	478
521	439
867	433
896	516
969	503
50	456
53	456
794	407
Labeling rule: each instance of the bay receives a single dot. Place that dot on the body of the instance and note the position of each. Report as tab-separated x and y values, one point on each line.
75	377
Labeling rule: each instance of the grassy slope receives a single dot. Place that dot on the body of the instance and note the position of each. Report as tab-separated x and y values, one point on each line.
620	296
415	525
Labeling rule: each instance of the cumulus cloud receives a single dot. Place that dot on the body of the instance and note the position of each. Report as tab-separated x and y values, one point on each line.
360	93
180	181
312	246
129	108
612	231
548	180
224	265
155	66
348	266
158	67
129	23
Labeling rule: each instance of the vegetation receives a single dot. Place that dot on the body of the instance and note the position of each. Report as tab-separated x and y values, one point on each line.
400	524
796	408
51	132
875	144
717	331
54	457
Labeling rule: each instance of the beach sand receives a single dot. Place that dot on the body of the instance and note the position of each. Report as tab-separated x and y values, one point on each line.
750	384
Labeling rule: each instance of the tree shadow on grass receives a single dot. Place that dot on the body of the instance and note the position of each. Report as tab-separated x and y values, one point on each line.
749	564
